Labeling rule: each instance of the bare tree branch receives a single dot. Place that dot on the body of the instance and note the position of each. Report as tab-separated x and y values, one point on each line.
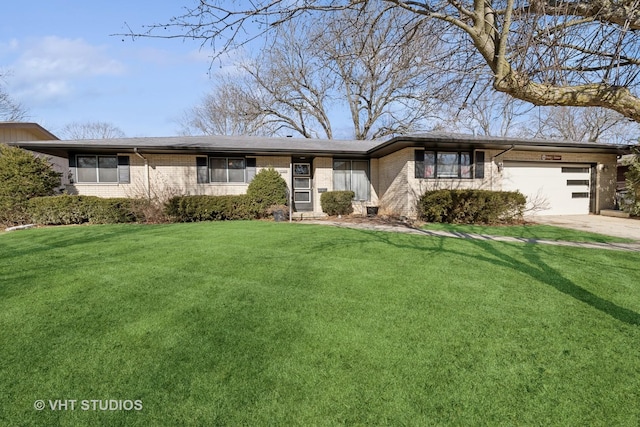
546	52
91	130
10	109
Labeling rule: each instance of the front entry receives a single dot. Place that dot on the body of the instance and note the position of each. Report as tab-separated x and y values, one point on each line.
302	184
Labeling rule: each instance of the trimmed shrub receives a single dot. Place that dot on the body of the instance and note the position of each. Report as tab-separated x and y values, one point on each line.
471	206
67	209
267	189
211	208
337	202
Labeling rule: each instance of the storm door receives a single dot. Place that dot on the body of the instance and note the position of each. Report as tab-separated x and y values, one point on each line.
302	184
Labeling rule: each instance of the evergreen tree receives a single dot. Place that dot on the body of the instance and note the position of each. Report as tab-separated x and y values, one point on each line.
22	176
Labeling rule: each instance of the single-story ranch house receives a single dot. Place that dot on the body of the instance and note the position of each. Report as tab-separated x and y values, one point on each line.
558	177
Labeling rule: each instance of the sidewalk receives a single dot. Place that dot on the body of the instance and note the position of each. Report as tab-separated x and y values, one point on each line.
405	228
627	228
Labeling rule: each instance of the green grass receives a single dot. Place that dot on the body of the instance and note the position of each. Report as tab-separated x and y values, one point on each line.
255	323
529	231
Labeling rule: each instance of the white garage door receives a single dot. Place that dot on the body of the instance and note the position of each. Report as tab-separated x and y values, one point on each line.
560	189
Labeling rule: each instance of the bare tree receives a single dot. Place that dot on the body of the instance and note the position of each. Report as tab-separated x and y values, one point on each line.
292	86
10	109
386	62
569	53
585	124
363	63
229	109
489	114
91	130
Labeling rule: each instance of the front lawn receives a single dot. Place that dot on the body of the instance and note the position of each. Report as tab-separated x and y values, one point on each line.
529	231
257	323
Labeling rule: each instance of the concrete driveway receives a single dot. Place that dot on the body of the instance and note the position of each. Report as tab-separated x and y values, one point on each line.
620	227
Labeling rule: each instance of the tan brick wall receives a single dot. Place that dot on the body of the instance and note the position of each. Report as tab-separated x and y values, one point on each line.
173	174
399	190
394	187
393	182
322	178
279	163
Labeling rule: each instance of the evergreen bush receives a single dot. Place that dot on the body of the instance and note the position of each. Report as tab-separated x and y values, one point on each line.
337	202
68	209
211	208
22	177
267	189
471	206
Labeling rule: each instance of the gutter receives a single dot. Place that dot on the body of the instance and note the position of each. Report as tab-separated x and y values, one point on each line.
146	172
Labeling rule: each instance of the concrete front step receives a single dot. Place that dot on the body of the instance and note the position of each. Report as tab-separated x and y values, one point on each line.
614	213
308	215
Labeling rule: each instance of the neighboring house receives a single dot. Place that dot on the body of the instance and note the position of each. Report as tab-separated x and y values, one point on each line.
561	177
11	132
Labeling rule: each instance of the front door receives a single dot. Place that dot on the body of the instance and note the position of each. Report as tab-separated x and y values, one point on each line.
302	180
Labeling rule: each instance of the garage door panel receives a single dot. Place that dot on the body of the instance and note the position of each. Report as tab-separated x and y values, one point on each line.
552	188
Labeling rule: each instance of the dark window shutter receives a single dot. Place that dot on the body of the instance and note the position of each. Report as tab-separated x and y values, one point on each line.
419	158
202	170
124	170
250	163
479	165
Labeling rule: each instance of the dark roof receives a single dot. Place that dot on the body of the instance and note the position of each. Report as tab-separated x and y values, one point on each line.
207	144
302	146
463	141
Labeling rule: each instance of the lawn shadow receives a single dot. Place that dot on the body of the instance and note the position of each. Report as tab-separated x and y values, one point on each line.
544	273
535	267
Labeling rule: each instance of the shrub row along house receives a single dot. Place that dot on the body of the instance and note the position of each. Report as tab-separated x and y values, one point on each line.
558	177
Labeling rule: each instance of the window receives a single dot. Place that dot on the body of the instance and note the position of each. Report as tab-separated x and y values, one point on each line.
443	164
578	182
100	169
575	170
225	169
352	175
479	167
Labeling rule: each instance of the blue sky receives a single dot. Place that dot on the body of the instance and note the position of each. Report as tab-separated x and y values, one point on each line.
63	65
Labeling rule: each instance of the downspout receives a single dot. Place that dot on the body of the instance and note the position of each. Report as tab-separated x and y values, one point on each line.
493	159
291	189
146	172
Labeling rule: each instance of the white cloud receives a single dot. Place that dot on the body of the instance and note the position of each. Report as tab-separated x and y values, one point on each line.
9	46
49	67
